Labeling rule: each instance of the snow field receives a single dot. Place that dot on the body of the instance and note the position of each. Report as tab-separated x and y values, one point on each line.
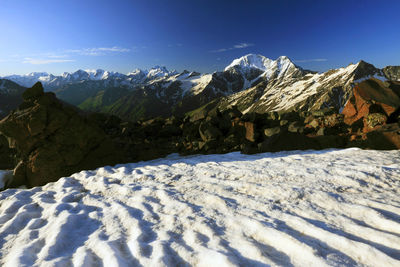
310	208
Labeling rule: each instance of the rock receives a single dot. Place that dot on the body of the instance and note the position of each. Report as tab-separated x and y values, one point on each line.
34	92
296	127
331	141
249	148
321	131
392	72
272	131
231	141
288	141
289	116
19	176
357	126
370	96
394	117
7	155
190	130
233	112
314	123
385	137
198	115
323	112
54	139
251	134
283	122
333	120
170	130
375	119
208	131
210	146
224	124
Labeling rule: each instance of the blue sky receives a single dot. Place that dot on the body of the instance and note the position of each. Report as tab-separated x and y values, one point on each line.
202	35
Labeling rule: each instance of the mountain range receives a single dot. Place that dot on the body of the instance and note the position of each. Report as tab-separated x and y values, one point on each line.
252	83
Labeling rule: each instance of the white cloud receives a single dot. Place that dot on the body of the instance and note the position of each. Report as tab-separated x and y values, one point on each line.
42	61
311	60
242	45
236	46
98	51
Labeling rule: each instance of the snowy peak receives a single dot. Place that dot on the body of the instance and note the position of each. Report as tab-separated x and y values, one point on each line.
364	69
251	61
282	66
260	62
37	74
158	72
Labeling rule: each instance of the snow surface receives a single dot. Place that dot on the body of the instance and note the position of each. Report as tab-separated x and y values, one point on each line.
310	208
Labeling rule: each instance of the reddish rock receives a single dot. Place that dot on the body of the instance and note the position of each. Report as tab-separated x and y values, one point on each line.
251	134
370	96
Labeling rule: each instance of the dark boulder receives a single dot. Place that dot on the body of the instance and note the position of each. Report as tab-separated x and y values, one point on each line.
288	141
7	155
296	127
208	131
268	132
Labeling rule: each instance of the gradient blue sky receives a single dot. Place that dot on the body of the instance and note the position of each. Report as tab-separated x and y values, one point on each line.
202	35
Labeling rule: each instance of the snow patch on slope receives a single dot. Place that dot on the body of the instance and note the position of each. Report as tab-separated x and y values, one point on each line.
311	208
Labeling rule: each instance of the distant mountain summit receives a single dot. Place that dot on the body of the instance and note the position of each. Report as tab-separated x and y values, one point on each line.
52	82
282	66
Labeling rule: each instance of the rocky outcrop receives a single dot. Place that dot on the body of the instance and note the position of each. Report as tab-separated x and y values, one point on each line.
373	101
392	72
54	140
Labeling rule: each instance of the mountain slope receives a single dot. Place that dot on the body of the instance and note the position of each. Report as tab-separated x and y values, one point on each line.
311	91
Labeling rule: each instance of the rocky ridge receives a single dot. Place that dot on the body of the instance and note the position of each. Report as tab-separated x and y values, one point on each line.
51	139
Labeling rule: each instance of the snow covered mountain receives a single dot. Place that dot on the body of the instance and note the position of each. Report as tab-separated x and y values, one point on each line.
252	82
303	91
52	82
281	67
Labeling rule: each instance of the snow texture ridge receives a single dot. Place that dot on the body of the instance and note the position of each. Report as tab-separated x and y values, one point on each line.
310	208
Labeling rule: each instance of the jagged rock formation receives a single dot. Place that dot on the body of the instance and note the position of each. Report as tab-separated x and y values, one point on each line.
53	139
